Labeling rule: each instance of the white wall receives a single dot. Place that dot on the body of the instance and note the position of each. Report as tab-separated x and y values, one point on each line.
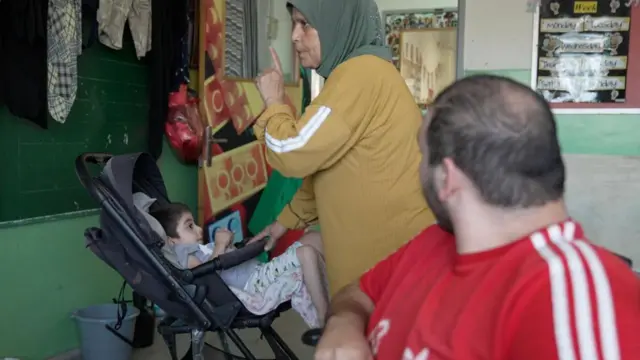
497	35
603	193
282	42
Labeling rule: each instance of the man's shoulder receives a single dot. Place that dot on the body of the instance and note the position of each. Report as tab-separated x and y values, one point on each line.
432	250
432	241
434	233
570	264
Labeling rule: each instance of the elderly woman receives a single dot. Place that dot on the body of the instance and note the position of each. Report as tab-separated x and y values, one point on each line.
355	145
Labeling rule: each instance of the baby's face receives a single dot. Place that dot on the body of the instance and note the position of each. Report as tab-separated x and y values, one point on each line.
188	231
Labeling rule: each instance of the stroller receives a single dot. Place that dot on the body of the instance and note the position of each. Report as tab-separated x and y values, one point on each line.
194	300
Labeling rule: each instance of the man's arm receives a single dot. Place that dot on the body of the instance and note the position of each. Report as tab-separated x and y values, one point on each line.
301	211
589	309
344	335
350	307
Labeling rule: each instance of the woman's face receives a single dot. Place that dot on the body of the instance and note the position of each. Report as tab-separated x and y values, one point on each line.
305	40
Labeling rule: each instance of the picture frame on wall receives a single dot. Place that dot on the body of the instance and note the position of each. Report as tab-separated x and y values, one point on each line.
427	61
415	24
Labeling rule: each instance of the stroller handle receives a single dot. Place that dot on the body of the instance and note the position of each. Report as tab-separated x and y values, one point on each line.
227	260
82	171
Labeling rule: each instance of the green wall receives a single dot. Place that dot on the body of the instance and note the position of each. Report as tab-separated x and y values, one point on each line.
47	273
589	134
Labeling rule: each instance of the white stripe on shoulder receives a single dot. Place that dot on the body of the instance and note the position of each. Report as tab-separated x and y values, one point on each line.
569	230
304	135
581	297
604	302
559	297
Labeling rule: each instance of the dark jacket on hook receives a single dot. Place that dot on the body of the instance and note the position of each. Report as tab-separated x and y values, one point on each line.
169	25
23	59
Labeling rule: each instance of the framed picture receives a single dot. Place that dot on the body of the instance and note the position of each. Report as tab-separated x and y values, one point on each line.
399	22
396	22
427	61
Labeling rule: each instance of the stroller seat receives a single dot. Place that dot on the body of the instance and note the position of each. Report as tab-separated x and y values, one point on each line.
194	300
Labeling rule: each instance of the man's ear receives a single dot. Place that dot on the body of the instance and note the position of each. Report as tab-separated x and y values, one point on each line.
448	178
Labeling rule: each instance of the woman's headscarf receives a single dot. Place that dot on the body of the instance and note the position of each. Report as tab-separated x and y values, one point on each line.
347	28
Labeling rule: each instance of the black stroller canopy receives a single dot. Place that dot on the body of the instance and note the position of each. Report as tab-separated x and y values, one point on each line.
128	174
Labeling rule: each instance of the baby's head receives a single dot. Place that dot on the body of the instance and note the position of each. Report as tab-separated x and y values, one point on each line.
177	221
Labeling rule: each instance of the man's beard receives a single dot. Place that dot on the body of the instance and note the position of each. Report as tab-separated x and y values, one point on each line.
437	207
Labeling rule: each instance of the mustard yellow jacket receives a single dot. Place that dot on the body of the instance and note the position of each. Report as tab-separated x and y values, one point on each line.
356	148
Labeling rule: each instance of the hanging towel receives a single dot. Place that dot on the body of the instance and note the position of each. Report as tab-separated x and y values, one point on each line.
112	16
64	45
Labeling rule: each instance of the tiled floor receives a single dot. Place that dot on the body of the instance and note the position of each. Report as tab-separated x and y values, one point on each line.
290	327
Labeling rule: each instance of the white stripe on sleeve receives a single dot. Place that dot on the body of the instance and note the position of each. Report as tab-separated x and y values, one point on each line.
303	137
581	297
559	297
604	303
584	272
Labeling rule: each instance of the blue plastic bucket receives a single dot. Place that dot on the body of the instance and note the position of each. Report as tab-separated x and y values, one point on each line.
97	342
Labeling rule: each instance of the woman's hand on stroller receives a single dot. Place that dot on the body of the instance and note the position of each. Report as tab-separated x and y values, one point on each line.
274	232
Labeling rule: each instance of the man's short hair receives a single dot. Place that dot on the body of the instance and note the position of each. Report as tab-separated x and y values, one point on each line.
502	135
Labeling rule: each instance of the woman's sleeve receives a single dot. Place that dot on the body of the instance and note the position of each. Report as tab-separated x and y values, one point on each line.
320	137
301	211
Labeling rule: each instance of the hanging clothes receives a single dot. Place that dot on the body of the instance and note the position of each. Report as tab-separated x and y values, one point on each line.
64	27
112	16
89	23
169	20
23	59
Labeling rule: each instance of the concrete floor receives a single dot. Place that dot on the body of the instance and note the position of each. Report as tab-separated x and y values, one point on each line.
289	325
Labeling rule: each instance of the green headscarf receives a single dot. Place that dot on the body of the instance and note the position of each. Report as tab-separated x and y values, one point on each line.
347	28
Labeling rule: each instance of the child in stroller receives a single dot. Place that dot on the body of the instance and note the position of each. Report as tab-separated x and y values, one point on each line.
296	275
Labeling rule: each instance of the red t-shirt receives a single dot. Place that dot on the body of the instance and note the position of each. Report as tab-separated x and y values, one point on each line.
551	295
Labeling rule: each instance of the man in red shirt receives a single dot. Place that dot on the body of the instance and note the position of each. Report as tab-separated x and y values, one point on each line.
518	281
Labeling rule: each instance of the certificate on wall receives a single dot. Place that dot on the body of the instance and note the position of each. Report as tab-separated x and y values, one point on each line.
582	52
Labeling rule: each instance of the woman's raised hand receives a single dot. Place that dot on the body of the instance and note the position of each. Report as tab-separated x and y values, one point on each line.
271	82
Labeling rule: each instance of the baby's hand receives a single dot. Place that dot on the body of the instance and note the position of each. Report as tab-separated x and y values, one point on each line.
223	238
